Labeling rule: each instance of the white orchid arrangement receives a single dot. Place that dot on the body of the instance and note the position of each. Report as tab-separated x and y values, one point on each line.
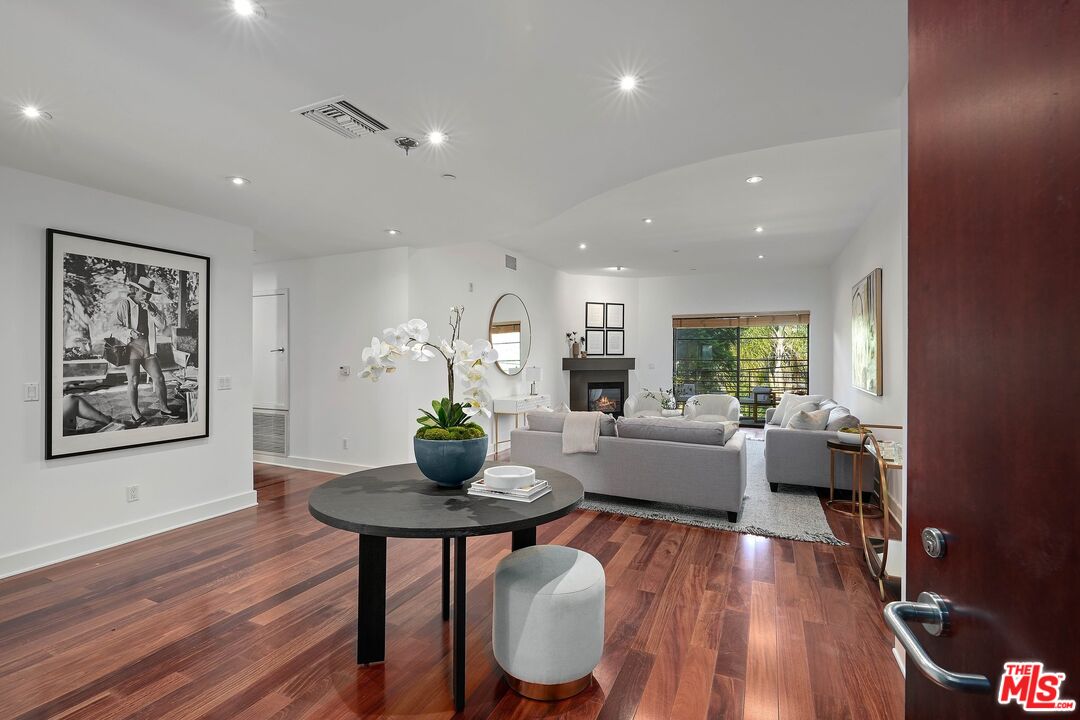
465	361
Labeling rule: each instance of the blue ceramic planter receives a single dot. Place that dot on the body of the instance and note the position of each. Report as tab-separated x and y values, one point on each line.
450	462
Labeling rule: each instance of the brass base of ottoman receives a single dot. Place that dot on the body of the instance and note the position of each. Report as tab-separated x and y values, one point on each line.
548	693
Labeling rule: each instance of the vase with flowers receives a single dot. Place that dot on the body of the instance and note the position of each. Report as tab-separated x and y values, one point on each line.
450	446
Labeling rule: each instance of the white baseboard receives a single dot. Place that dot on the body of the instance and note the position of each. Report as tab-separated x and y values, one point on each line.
318	465
305	463
42	555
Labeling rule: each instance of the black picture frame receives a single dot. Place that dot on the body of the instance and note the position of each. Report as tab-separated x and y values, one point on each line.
620	345
591	308
621	314
595	343
53	237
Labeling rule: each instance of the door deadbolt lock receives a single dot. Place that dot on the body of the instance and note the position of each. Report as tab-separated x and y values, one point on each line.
933	542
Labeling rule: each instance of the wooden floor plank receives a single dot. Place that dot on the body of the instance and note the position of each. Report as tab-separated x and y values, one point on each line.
253	615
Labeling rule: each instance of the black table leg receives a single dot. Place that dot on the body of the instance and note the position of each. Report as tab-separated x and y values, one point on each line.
371	595
446	578
523	538
459	624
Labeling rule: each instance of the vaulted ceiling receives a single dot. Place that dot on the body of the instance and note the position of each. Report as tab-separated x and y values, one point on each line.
163	100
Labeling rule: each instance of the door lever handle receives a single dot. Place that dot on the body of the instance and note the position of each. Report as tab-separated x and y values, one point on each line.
933	612
280	349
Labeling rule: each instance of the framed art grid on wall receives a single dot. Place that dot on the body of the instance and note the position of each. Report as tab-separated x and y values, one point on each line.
126	344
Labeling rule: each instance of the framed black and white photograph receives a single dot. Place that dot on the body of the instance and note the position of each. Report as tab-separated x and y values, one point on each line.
127	344
614	315
594	315
614	343
594	342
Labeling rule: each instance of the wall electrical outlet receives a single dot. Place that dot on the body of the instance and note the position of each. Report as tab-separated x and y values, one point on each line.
132	493
345	370
31	392
344	443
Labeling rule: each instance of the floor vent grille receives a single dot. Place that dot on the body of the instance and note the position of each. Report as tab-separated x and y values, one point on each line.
341	116
271	431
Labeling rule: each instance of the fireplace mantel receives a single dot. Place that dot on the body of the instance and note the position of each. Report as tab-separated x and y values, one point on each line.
598	363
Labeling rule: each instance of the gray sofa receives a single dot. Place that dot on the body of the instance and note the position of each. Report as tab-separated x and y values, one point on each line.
681	473
801	457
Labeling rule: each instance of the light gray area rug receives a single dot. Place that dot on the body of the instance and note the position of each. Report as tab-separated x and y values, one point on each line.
794	513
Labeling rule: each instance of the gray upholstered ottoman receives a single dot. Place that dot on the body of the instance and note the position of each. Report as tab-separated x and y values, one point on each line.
548	620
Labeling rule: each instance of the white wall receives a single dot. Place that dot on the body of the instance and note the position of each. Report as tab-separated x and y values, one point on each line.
879	242
52	510
337	303
573	291
762	290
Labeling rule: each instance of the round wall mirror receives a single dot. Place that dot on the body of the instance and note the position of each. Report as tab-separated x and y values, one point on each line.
510	332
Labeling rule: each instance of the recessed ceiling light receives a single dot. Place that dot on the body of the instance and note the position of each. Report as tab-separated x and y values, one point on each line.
647	221
617	268
247	8
582	246
393	231
760	257
759	229
237	180
754	179
35	113
628	83
436	137
449	176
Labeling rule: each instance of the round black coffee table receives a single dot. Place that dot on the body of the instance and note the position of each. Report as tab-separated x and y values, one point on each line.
398	501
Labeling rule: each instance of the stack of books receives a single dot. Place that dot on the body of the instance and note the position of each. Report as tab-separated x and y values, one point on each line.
539	488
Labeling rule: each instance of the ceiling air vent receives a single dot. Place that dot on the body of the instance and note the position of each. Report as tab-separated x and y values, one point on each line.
511	262
342	117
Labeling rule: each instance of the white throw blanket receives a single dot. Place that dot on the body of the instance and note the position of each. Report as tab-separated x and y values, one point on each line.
581	433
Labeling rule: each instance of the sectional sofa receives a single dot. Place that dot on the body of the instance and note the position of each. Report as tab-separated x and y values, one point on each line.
668	471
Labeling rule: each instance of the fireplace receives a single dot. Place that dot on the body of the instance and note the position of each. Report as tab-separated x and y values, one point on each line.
607	397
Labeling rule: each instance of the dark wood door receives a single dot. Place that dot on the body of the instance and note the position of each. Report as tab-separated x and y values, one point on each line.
994	322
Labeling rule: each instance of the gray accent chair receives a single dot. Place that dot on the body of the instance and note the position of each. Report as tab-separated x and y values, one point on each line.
680	473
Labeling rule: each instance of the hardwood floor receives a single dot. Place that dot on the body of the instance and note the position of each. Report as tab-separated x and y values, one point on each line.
252	615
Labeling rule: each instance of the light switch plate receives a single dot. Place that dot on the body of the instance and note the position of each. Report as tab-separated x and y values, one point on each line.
31	392
224	382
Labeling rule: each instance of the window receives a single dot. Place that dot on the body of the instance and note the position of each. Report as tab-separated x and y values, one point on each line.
738	354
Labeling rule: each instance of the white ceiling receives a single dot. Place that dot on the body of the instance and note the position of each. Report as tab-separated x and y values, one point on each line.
163	100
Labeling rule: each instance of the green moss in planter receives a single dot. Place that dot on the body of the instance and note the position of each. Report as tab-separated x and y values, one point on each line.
458	432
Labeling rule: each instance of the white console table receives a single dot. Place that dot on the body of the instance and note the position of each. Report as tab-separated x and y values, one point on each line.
514	405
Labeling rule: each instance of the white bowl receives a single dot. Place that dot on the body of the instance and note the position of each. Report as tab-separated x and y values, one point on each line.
849	438
509	477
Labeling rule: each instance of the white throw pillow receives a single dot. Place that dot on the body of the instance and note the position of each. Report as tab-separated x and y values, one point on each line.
712	418
789	402
805	407
808	420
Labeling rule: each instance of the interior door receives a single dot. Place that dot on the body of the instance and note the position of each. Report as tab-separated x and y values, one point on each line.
270	350
994	342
